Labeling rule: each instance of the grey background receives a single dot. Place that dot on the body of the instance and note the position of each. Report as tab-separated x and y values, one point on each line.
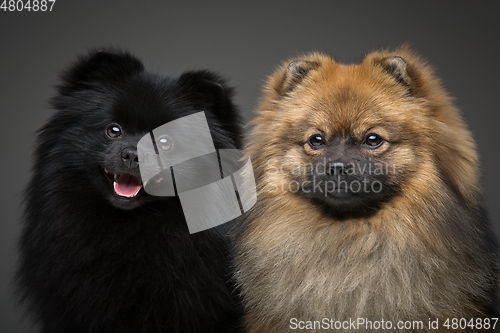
244	41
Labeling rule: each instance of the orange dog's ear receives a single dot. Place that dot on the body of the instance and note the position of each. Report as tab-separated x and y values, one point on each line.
296	71
397	67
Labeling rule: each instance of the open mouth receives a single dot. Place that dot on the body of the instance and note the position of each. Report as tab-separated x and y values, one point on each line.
124	184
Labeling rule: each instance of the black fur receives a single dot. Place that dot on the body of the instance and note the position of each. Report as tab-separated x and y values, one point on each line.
93	262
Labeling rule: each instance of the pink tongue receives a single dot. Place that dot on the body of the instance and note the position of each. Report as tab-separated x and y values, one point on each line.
127	185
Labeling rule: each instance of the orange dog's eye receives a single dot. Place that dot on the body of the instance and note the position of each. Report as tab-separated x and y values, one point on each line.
373	140
316	141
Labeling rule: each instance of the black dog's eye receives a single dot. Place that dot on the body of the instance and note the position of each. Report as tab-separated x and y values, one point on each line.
373	140
316	141
165	142
114	131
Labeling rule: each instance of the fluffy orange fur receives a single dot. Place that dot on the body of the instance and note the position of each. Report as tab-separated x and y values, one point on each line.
425	253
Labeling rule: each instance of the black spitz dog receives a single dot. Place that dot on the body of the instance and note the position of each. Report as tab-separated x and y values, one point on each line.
97	253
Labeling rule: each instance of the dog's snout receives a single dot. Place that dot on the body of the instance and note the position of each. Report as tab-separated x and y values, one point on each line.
337	168
130	157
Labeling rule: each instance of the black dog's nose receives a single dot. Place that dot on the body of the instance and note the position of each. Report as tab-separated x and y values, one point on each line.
130	157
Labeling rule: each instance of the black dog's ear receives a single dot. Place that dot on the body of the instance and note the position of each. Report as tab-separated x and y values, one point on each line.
103	66
209	89
294	74
113	64
208	85
397	67
209	92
